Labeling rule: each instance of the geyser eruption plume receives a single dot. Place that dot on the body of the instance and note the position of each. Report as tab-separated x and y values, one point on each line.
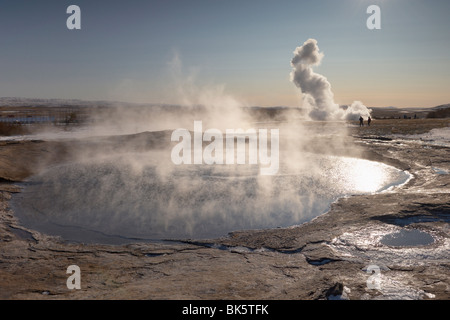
316	89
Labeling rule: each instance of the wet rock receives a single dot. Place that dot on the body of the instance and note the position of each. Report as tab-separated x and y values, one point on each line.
338	292
326	258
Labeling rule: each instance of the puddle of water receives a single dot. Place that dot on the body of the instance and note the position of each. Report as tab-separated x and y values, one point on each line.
440	171
22	234
407	238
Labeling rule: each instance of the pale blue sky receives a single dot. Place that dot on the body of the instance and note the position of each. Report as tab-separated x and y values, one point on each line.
124	49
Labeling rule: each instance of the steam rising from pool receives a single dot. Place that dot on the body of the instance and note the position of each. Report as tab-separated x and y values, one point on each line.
126	190
113	200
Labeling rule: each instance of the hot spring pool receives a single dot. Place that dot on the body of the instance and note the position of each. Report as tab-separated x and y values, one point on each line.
115	201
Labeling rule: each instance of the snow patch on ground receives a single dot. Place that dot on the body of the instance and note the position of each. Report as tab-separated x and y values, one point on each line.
437	137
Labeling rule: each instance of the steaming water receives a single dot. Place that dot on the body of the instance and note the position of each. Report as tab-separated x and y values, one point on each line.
113	201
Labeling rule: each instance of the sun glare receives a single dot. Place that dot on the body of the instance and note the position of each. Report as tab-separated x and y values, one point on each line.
364	176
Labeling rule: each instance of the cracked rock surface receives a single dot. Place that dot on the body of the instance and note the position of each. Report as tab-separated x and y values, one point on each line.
338	255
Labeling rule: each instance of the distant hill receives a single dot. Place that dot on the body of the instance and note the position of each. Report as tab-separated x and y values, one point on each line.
442	106
31	102
274	112
440	112
6	102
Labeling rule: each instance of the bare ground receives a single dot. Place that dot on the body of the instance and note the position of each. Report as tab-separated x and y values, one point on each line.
321	259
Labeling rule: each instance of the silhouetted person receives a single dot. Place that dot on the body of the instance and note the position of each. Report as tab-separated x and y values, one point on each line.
361	121
369	120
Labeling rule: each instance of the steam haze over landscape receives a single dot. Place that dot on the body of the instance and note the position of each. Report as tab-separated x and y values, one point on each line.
275	150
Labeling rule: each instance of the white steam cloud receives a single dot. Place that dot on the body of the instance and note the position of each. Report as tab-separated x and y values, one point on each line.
316	89
123	185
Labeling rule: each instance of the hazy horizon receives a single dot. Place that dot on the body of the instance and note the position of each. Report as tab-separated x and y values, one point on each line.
153	103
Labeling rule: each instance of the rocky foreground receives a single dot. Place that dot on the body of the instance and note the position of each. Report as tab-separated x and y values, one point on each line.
336	256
